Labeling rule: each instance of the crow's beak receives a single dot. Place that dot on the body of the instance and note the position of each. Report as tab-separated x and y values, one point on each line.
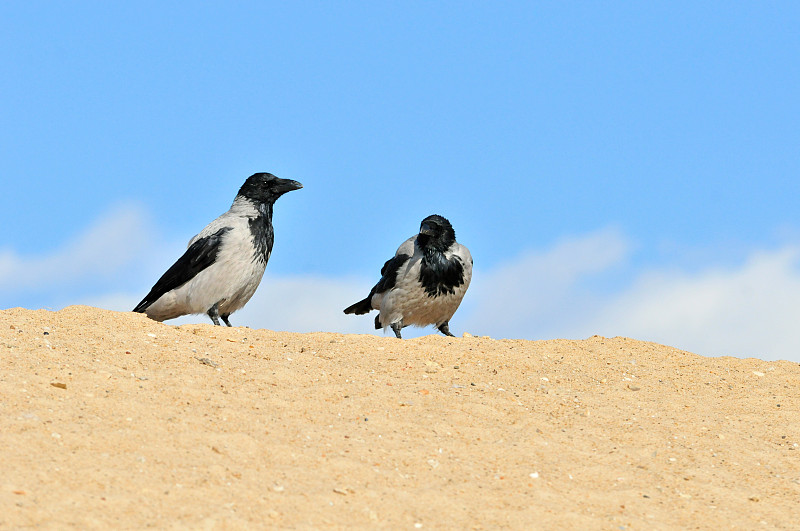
426	230
287	185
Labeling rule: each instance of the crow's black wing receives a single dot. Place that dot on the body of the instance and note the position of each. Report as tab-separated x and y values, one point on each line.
201	254
387	282
389	273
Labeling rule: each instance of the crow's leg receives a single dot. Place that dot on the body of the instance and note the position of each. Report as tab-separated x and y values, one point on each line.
396	327
225	319
213	312
445	328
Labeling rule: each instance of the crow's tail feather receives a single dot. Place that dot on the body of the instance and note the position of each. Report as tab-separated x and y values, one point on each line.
361	307
142	306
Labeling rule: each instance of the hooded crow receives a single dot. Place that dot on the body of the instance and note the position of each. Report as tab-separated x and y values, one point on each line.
224	263
424	283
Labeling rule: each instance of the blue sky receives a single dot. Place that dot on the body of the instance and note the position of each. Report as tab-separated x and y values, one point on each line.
616	169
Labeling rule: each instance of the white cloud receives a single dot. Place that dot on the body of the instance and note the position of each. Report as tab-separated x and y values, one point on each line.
306	304
537	296
749	310
107	246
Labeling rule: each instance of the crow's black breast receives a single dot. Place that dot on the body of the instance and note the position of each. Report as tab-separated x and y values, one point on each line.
439	275
263	236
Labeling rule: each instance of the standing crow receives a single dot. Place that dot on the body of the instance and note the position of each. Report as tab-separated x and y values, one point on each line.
223	265
424	283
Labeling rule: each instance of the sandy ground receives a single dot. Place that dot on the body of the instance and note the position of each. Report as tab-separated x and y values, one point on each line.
113	421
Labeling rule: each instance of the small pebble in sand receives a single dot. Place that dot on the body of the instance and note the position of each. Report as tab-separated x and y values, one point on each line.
206	361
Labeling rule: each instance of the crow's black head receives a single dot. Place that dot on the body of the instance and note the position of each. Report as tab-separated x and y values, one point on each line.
436	232
266	188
